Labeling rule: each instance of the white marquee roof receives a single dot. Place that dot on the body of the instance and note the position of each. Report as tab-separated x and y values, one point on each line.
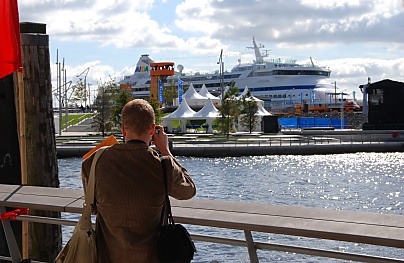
262	111
183	111
191	94
208	111
205	93
245	93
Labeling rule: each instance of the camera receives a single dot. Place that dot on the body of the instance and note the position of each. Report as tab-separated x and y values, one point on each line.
156	131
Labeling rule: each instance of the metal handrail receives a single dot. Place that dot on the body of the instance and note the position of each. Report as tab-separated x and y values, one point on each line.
248	242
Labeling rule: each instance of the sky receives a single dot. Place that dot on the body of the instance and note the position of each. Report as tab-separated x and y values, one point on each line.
355	39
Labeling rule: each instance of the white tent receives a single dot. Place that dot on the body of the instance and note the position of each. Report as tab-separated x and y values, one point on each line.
205	93
193	98
226	89
183	112
262	111
259	102
209	113
244	92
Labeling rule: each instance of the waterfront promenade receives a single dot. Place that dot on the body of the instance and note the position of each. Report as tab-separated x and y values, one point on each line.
76	140
76	144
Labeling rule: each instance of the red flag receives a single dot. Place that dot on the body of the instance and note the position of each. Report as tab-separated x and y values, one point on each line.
10	43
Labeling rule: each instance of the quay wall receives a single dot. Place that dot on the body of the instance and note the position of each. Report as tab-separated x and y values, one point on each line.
236	150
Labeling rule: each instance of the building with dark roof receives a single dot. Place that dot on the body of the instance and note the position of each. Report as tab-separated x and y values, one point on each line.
385	105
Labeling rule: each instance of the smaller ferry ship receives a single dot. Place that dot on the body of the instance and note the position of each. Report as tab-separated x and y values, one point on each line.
280	83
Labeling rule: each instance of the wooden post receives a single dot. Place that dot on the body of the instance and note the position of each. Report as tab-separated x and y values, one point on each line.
42	169
23	157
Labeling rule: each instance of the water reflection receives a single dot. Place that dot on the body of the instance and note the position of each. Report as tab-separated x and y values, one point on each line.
371	182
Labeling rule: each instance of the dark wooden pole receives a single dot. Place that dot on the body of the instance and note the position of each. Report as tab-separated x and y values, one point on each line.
42	169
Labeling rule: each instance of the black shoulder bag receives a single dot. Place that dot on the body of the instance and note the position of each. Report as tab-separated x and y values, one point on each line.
174	242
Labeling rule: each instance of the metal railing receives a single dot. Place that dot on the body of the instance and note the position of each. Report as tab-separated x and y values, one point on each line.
285	141
249	243
193	220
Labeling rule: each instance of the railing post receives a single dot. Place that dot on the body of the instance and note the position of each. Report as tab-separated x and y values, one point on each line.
10	238
252	251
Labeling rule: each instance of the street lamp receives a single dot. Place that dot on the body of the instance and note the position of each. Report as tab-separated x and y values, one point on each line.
221	73
89	95
85	84
66	88
335	92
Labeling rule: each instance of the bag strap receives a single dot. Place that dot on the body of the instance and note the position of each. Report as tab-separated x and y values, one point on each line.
85	220
89	197
166	212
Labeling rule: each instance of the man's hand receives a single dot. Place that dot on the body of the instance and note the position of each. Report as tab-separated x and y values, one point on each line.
160	139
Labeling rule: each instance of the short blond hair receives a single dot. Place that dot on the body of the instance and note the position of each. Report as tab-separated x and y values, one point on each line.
138	116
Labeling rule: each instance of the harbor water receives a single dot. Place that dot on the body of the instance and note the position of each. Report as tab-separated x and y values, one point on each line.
369	182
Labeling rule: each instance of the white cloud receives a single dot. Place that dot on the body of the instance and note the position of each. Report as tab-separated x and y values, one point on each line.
330	4
196	16
202	28
352	72
126	23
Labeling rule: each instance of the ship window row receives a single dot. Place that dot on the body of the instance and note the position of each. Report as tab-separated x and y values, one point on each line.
301	72
282	96
201	78
243	68
209	85
232	76
140	89
260	74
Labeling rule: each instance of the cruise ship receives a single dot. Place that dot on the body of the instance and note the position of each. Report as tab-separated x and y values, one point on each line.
280	83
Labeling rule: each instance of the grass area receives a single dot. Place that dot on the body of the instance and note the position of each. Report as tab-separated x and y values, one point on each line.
75	118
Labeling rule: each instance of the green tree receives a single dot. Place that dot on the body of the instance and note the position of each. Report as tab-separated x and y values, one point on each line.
120	98
249	117
170	92
103	104
229	110
157	111
78	93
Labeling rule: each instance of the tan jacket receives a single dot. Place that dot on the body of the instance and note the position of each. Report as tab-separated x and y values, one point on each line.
129	193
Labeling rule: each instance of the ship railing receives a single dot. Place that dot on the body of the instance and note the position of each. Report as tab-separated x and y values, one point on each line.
385	230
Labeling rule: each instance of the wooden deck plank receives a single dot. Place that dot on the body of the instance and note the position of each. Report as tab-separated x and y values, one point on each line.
48	203
7	190
40	198
351	232
76	206
40	191
293	211
49	191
